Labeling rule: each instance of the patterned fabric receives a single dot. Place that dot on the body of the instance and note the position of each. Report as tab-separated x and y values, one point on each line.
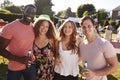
45	66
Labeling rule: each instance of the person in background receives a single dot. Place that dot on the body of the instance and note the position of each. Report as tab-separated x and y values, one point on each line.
45	36
97	29
16	39
97	52
67	54
118	34
108	33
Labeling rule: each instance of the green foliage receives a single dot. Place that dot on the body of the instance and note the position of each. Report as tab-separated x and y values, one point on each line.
6	3
14	9
3	69
85	13
102	15
10	17
111	21
5	11
106	23
44	7
85	7
59	13
65	13
115	75
62	14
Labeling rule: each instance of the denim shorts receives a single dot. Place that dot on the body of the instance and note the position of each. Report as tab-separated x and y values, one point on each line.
27	74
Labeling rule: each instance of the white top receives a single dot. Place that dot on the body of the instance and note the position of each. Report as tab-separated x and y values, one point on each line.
95	54
108	34
69	63
118	34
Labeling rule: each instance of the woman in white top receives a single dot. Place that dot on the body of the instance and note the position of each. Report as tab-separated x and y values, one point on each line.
98	52
67	53
108	33
118	34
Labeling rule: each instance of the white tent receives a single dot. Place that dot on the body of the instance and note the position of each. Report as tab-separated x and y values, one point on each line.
74	19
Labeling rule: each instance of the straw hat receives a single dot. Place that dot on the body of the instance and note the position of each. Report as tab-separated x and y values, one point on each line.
43	17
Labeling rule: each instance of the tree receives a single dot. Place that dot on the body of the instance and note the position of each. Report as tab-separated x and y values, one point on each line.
44	7
59	13
85	7
66	13
14	9
106	23
85	13
5	11
102	15
6	3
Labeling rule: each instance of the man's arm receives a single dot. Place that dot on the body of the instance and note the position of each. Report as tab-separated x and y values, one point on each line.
113	64
3	52
112	67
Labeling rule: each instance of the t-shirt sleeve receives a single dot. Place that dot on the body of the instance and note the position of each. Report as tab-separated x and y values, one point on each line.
109	50
7	32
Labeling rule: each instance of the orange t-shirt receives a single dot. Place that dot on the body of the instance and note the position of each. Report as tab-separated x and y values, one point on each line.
21	37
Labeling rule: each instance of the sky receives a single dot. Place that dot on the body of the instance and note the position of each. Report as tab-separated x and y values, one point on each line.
60	5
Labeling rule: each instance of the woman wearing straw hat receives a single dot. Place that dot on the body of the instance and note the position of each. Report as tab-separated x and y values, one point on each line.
45	35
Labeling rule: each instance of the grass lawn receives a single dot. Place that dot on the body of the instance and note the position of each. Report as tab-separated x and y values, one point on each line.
3	68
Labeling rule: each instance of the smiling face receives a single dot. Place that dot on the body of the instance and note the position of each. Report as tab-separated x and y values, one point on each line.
88	27
29	13
43	29
68	29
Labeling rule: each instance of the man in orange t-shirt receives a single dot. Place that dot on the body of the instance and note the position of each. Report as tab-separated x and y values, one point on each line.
16	39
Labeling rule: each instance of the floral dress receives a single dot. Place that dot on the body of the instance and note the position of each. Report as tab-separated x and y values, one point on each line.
45	65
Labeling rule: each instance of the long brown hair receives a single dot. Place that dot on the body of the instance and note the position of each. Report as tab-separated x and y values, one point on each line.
51	33
72	43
